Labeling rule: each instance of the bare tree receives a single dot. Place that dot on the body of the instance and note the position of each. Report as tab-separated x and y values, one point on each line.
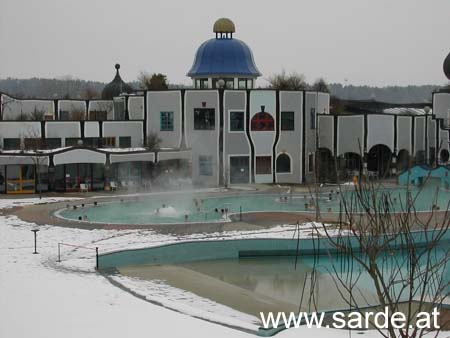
320	85
283	81
380	236
5	102
34	144
37	114
153	141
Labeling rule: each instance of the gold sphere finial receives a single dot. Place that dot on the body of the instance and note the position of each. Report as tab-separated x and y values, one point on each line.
224	25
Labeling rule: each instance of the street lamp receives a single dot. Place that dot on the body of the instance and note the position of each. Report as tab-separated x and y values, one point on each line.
35	240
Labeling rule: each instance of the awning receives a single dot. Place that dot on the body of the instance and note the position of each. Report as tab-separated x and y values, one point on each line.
24	159
130	157
79	156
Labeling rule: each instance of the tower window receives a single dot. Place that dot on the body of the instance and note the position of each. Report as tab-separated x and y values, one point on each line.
242	83
201	83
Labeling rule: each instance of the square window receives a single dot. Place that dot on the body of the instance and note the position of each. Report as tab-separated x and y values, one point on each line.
287	120
64	115
166	121
236	121
11	143
201	83
205	165
108	142
125	141
53	143
91	142
98	115
263	165
229	83
242	84
32	143
72	141
204	119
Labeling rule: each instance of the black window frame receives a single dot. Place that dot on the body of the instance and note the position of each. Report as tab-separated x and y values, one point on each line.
53	143
200	122
169	123
124	139
231	119
11	143
287	122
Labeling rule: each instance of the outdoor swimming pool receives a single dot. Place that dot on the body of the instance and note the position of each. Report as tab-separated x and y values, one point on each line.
256	284
201	207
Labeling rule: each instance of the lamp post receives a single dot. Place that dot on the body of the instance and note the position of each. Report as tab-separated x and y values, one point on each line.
35	240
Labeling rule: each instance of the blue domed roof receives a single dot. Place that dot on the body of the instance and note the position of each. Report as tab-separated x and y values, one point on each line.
224	56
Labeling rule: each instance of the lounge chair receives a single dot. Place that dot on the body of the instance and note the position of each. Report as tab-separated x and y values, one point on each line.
113	185
83	187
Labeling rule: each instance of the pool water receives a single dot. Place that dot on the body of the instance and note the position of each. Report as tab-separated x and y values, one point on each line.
252	285
188	207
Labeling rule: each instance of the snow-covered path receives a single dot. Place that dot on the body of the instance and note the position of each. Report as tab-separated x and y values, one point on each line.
37	300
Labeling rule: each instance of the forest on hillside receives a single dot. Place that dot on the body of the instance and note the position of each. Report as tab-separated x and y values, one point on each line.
75	88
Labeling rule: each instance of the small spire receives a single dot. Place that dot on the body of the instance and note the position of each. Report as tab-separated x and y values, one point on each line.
447	66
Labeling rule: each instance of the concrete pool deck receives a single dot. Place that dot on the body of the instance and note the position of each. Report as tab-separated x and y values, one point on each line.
44	214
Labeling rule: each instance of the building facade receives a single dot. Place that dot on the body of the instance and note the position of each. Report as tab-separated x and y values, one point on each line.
221	132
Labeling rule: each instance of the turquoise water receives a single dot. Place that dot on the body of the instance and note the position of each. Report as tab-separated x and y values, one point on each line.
198	207
311	282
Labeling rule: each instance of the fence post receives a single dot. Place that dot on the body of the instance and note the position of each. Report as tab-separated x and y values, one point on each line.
96	258
59	252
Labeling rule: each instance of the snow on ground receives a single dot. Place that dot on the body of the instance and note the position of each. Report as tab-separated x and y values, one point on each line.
40	297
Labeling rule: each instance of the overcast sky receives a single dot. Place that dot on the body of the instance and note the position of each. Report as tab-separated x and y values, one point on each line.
373	42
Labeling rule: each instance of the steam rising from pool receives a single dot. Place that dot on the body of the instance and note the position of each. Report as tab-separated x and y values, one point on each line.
168	211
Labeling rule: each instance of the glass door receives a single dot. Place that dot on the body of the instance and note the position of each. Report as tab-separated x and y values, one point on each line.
20	179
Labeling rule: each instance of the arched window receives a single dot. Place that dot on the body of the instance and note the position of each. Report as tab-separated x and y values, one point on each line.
283	164
262	122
